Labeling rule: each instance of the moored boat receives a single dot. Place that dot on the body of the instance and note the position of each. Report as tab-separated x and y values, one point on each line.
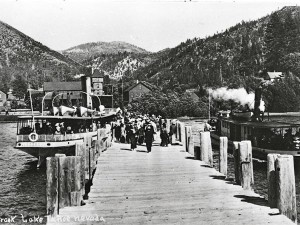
276	135
44	136
266	137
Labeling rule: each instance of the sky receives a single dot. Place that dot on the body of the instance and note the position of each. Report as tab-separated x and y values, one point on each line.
150	24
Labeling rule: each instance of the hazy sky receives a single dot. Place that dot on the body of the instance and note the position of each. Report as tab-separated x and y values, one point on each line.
150	24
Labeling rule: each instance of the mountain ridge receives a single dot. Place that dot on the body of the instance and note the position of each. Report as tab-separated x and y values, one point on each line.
93	49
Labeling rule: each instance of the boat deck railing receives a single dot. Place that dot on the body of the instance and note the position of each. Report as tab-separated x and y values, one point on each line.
52	137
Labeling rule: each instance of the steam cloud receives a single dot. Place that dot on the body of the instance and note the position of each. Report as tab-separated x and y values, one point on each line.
239	95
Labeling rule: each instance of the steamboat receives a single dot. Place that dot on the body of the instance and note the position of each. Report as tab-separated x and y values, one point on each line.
274	135
45	136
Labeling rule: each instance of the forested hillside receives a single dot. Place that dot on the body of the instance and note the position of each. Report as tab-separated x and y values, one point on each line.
30	62
236	58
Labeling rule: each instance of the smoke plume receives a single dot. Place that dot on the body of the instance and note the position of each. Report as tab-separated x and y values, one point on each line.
239	96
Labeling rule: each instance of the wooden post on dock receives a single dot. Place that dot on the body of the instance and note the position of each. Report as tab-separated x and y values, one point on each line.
177	131
189	140
168	124
223	155
206	153
286	195
272	183
69	186
246	166
52	186
81	149
236	156
182	136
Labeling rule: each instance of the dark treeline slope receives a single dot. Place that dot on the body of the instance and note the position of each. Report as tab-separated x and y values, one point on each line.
248	49
29	61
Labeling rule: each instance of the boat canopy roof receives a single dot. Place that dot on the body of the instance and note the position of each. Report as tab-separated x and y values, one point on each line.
66	117
265	124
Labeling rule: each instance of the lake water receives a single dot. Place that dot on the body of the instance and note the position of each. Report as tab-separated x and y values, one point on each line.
22	186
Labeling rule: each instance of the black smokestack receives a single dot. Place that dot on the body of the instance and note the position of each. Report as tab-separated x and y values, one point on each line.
257	99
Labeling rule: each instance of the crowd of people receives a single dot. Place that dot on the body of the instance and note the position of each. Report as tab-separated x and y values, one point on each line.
131	128
137	129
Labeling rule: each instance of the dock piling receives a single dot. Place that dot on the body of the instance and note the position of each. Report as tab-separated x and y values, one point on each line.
286	196
272	183
236	156
206	153
189	140
223	155
52	186
246	166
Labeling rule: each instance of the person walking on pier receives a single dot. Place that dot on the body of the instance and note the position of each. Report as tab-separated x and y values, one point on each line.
149	133
164	136
132	135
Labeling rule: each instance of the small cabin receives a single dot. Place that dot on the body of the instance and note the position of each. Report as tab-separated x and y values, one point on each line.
138	89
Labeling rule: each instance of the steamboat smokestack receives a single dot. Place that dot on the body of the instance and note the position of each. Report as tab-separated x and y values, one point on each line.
257	100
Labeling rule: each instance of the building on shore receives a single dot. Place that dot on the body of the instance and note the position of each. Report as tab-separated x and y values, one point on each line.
87	92
138	89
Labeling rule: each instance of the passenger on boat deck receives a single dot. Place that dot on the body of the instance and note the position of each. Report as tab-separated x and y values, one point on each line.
98	125
62	128
48	128
26	130
69	130
38	128
91	128
288	138
94	126
57	129
44	126
82	129
297	133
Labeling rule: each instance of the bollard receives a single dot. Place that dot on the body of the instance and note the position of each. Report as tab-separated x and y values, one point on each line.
189	140
206	154
182	136
236	156
63	186
223	155
168	124
177	130
286	195
246	167
52	186
272	186
82	150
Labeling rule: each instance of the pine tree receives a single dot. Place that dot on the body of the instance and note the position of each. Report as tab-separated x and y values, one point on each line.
19	86
291	34
275	45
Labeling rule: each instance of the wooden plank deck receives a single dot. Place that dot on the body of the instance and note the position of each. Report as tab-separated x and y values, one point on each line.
165	187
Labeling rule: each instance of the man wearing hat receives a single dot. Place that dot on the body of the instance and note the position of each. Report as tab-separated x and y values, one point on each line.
57	129
149	132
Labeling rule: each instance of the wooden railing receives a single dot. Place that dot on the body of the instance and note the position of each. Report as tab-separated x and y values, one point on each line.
54	137
69	177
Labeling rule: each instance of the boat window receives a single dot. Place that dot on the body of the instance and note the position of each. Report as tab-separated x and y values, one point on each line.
25	126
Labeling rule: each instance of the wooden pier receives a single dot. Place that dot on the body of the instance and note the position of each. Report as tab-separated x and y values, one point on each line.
166	186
